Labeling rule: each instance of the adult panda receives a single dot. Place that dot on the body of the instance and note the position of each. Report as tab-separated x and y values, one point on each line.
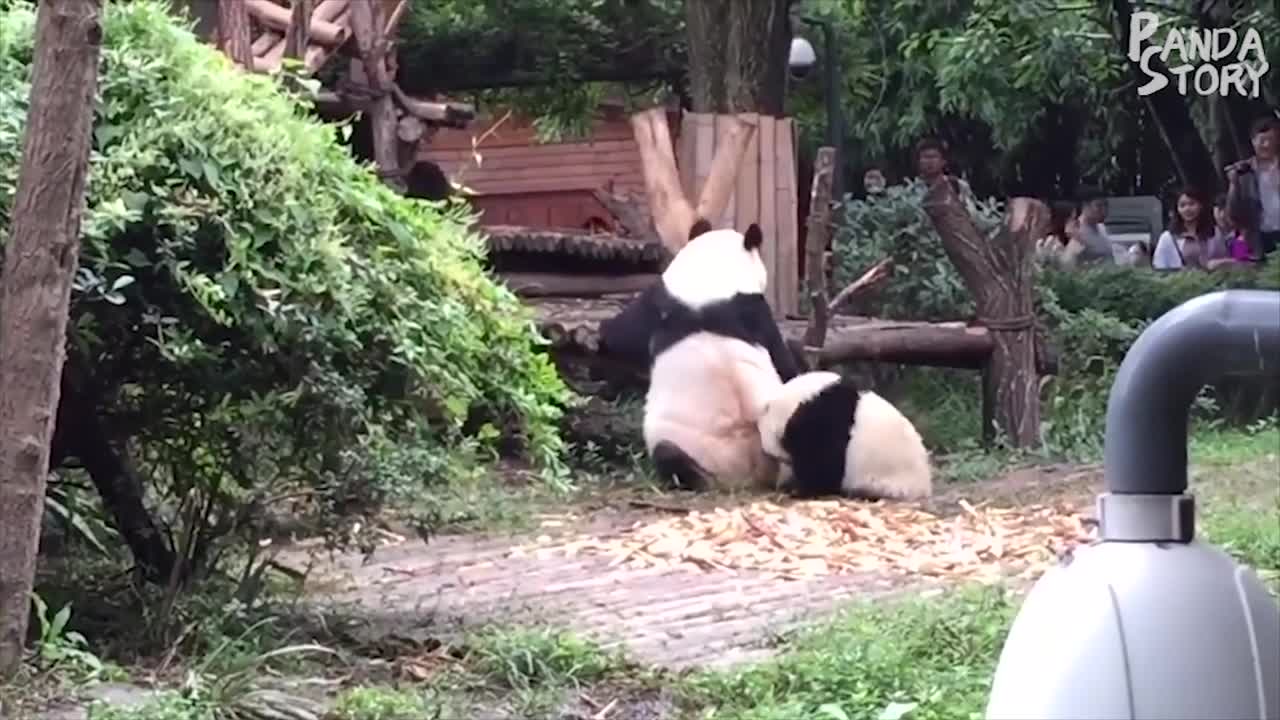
832	438
715	355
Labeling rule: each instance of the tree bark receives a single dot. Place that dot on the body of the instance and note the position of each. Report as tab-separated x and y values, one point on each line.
738	53
816	247
371	48
298	36
998	272
233	32
80	433
40	261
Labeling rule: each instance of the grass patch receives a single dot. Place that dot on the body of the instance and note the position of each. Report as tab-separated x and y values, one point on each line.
929	659
1234	479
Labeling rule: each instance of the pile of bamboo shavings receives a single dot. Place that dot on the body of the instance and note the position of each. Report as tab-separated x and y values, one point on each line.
837	537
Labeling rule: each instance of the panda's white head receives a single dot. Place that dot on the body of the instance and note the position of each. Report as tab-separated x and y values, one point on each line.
716	265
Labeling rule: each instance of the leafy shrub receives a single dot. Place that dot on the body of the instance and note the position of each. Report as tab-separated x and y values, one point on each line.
255	312
925	284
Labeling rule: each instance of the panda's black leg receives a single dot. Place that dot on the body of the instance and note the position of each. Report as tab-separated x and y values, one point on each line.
675	467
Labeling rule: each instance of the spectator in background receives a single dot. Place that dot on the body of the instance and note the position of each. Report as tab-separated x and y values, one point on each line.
1227	245
1184	245
1253	188
1062	246
1093	233
931	165
873	181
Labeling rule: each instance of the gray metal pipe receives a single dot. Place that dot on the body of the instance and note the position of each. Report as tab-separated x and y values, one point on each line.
1235	332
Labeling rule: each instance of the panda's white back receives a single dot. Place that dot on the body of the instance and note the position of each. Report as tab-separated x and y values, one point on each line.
705	396
886	454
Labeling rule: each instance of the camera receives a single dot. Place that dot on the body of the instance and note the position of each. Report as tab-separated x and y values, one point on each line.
802	58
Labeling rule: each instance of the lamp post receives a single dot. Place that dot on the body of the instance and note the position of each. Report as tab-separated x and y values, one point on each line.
800	62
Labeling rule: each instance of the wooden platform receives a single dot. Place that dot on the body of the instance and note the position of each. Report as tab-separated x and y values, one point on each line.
573	325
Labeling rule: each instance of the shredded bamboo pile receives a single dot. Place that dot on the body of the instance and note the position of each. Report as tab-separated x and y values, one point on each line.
837	537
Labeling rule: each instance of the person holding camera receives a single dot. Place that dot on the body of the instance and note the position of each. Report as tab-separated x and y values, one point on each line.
1253	188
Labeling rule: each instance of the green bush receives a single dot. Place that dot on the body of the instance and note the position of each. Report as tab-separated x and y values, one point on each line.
255	309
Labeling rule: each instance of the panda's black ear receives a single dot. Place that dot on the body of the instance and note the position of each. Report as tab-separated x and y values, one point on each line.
699	226
753	237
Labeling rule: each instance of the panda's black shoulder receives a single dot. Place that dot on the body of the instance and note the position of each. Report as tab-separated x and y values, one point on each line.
744	316
827	415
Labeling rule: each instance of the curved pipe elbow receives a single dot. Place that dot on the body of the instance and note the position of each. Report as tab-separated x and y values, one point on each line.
1233	332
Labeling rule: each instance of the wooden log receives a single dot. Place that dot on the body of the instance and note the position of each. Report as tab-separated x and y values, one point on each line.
819	225
277	17
233	32
530	284
631	211
672	213
731	144
952	345
270	60
410	129
444	113
998	272
264	42
298	36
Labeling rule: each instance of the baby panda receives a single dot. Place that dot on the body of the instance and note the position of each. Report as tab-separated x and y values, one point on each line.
833	439
715	355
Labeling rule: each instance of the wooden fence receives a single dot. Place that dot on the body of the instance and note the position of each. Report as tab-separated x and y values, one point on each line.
764	192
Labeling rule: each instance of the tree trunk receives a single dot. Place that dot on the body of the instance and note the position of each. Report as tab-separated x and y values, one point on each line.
79	433
1171	113
233	32
371	48
815	335
738	53
998	272
40	261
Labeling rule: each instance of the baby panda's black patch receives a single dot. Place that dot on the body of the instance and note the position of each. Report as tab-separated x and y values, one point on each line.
677	469
816	437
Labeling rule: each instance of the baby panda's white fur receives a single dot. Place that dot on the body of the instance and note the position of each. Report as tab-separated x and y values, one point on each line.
833	438
715	361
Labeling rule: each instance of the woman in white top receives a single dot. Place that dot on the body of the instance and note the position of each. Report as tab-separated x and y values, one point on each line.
1182	246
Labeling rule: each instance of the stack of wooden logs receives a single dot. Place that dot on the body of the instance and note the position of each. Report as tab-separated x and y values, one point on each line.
329	30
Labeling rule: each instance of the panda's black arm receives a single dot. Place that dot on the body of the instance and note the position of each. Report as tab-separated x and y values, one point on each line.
628	333
765	327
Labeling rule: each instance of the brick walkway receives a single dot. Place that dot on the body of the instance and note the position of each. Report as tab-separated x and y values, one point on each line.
673	617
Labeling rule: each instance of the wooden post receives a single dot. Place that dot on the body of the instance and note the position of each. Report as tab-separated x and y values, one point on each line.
40	262
998	272
298	36
371	47
815	244
233	32
817	231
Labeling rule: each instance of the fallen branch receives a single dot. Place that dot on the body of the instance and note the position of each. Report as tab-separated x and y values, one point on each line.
870	281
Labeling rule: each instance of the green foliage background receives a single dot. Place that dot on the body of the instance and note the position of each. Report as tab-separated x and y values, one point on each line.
257	312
